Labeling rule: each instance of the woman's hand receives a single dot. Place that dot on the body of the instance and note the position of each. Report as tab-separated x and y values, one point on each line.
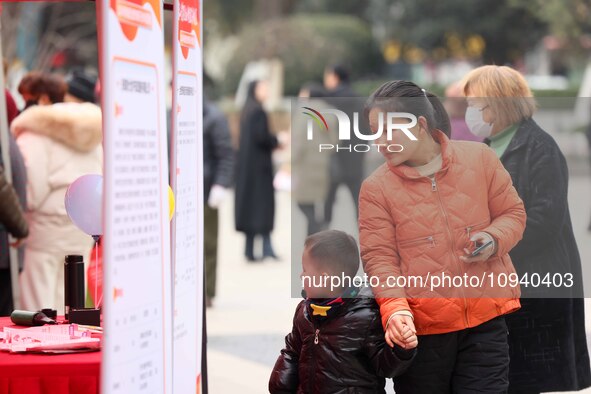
283	137
217	195
401	331
480	238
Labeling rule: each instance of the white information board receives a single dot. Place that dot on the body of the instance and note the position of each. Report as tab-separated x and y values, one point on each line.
137	315
187	183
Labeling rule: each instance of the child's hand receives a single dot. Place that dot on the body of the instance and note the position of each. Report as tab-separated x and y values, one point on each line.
400	329
412	342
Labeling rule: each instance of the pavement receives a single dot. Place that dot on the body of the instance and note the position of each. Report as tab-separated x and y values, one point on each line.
254	308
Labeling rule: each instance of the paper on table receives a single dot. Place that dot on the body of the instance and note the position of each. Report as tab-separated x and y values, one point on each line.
52	337
73	344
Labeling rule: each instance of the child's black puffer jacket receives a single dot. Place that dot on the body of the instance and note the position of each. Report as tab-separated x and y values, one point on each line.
344	354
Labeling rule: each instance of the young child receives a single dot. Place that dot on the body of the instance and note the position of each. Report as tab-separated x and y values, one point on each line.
337	342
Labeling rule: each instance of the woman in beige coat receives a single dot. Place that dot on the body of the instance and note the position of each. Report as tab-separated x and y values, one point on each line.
59	143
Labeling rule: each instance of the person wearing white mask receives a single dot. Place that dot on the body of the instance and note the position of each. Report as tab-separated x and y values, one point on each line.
487	119
475	121
547	341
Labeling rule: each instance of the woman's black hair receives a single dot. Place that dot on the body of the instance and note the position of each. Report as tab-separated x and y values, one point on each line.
405	96
251	90
252	104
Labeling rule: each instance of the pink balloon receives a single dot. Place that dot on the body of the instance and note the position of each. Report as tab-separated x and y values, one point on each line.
84	203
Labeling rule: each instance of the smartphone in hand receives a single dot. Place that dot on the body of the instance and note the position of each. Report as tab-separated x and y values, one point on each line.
479	249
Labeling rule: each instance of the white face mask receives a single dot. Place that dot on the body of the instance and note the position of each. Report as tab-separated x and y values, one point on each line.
476	124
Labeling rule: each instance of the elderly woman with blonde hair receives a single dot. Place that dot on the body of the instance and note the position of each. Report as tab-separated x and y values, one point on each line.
548	347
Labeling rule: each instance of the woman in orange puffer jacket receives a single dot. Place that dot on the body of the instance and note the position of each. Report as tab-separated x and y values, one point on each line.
421	214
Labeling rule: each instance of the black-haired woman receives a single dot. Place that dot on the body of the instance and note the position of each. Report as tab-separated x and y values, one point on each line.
440	209
255	195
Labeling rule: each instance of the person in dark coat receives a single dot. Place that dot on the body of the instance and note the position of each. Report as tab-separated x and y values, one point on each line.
345	167
218	163
337	342
548	346
19	182
255	195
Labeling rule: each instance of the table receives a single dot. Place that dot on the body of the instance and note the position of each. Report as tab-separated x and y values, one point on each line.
48	374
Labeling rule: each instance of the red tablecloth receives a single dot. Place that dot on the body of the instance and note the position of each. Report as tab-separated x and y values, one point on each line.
48	374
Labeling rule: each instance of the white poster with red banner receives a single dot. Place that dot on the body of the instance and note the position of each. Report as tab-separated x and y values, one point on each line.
187	183
137	315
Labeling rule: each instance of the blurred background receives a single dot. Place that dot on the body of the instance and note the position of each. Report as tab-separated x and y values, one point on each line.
549	41
290	43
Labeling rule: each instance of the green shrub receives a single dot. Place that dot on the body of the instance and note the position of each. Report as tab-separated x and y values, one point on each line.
546	98
306	44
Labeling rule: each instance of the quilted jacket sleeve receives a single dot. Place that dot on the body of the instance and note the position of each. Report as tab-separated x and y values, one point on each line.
506	208
284	378
387	362
377	238
223	154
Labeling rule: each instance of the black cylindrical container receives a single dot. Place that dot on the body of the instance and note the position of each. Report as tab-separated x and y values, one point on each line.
74	283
